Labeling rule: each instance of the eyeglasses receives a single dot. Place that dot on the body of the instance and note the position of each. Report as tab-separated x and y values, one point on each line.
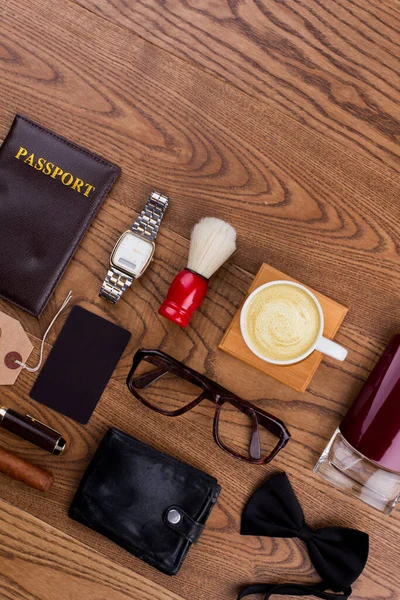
172	389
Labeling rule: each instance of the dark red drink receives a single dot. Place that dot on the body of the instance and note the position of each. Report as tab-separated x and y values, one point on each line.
363	455
372	425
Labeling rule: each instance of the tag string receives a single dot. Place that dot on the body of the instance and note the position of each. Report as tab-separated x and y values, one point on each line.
34	369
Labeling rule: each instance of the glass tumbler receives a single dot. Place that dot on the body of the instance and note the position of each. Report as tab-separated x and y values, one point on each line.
363	455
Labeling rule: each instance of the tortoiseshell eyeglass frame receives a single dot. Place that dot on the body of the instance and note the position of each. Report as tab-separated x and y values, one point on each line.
212	392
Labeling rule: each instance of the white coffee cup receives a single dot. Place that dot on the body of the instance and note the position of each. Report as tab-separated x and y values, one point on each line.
321	343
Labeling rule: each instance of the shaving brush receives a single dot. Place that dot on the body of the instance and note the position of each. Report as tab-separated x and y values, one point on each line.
212	242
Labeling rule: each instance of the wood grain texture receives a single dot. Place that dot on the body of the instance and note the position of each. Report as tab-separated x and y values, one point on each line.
333	66
326	217
299	375
39	562
298	203
222	560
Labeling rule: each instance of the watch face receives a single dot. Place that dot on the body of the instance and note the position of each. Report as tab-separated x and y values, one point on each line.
132	254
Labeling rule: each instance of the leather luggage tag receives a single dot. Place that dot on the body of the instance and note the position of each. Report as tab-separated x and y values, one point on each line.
14	345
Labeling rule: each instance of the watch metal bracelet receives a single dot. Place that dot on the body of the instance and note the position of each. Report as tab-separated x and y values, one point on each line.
148	222
115	285
146	226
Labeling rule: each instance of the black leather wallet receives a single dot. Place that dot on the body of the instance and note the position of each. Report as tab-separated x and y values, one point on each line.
151	504
50	191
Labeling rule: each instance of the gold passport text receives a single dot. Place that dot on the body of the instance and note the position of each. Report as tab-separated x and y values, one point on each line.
49	168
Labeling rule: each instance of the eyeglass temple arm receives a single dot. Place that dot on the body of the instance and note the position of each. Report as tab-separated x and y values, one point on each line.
275	426
255	446
143	381
264	419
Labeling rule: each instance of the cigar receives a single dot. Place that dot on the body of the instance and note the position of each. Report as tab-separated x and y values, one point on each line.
25	472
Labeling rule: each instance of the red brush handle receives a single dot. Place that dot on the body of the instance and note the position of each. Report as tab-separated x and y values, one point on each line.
185	294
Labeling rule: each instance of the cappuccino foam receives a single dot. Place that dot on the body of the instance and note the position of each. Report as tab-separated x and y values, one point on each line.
282	322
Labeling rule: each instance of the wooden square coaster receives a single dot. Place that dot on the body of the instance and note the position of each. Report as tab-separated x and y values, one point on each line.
296	376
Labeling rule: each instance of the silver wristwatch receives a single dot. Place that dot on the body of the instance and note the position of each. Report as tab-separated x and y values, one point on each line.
134	250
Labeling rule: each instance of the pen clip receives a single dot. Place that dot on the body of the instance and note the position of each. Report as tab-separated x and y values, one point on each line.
44	425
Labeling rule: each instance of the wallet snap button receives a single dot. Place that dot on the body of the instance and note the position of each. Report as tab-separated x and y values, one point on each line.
174	516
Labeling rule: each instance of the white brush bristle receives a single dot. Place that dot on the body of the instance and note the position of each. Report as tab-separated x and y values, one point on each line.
212	242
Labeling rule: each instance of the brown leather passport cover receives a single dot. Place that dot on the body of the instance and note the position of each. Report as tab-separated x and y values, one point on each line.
50	191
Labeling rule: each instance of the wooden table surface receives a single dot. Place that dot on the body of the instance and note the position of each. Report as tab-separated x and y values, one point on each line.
282	117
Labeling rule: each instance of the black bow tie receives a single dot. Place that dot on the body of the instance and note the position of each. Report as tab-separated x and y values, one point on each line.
338	554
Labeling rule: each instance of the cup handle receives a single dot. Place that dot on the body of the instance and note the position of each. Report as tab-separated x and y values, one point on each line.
331	349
